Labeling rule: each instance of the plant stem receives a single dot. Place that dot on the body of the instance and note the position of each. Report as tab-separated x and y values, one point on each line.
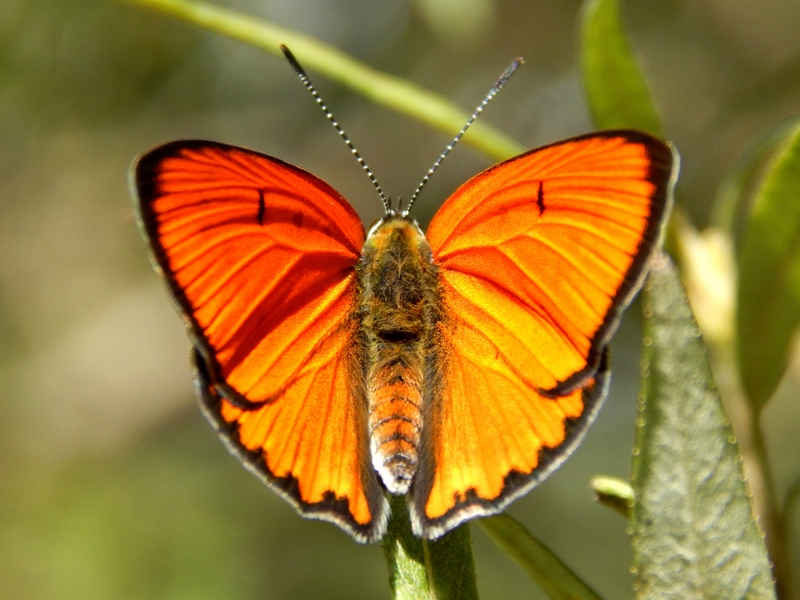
746	423
441	569
771	516
387	90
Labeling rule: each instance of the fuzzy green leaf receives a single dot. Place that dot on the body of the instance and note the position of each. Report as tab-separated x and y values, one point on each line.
544	567
615	86
693	530
442	569
769	276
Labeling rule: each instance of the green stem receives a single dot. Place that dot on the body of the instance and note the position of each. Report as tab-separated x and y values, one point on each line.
441	569
387	90
771	517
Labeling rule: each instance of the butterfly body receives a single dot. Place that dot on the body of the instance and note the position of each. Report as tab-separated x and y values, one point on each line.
458	368
400	307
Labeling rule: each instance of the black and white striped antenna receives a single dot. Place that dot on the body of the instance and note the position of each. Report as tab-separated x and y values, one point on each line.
306	82
386	203
492	93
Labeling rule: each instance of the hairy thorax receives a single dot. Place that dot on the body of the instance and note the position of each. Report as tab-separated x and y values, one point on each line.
399	310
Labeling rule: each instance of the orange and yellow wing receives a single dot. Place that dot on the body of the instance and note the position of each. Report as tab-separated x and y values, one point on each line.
260	257
537	258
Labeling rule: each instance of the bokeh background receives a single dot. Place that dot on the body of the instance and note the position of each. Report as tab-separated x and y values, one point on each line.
112	485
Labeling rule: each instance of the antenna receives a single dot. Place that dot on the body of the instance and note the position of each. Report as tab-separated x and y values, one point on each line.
492	92
306	82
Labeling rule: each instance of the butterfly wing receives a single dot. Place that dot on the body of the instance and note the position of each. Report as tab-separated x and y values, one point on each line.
260	257
537	257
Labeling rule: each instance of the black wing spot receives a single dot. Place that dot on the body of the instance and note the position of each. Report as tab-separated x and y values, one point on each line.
262	207
540	199
297	219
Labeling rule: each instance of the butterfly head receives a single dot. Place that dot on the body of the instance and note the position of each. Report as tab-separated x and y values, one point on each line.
393	219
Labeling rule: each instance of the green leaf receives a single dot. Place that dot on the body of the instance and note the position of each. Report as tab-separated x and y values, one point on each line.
740	179
392	92
615	86
442	569
693	531
769	276
544	567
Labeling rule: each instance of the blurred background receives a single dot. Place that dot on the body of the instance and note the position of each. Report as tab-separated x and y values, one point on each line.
112	485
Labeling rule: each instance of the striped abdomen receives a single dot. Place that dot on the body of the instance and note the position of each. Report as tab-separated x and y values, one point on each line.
395	418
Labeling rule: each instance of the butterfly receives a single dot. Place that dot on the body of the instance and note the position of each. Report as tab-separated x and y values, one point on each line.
458	367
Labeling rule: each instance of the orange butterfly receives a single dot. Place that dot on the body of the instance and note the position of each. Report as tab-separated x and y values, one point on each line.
458	368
